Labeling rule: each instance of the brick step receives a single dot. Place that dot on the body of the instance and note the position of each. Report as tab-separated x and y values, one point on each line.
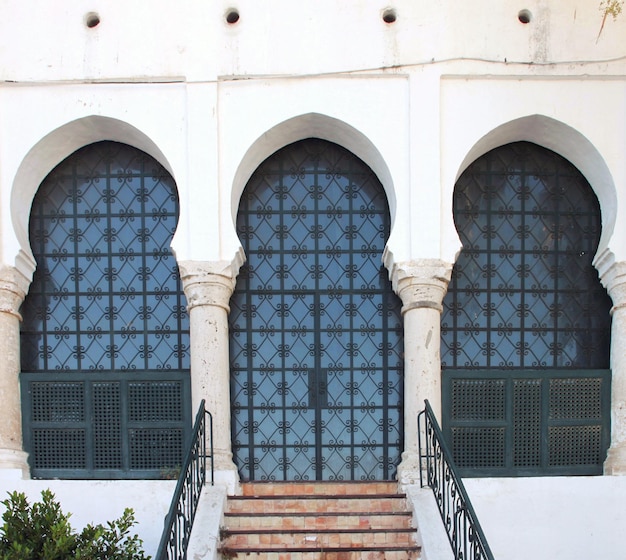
324	488
329	520
317	503
332	520
320	540
342	554
228	551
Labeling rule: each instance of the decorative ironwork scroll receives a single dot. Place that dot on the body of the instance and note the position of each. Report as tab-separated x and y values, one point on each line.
105	299
193	476
525	300
466	536
316	345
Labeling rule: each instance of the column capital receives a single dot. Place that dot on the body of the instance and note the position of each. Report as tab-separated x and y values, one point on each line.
421	283
13	289
208	283
614	280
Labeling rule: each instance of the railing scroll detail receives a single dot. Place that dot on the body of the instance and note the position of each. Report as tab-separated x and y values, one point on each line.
438	472
193	476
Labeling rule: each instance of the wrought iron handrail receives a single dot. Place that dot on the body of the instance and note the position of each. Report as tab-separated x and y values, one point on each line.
192	478
459	518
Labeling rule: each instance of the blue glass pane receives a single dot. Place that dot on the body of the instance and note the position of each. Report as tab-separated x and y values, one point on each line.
65	355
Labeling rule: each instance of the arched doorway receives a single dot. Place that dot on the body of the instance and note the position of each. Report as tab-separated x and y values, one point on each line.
316	330
526	324
105	336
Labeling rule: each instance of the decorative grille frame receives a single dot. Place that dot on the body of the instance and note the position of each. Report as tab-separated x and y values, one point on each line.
524	292
106	426
316	331
527	422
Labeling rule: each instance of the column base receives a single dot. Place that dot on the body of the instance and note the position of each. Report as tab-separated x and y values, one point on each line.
409	469
226	474
615	463
14	464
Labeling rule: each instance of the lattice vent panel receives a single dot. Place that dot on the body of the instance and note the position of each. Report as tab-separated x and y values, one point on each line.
545	424
105	428
527	423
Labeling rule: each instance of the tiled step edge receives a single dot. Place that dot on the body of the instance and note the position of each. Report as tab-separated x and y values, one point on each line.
335	555
317	488
318	520
229	532
310	516
235	503
286	497
315	513
228	551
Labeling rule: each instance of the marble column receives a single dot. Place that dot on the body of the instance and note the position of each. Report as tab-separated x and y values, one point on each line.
13	289
615	281
208	287
421	285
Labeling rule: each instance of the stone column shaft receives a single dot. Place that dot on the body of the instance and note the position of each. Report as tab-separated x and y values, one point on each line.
615	281
421	286
13	288
208	287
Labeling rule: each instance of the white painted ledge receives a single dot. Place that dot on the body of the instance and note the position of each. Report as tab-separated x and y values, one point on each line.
430	531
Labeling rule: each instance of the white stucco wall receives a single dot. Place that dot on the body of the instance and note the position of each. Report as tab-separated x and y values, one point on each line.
552	518
154	40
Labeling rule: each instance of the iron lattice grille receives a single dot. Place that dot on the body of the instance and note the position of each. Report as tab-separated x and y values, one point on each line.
316	346
105	298
524	295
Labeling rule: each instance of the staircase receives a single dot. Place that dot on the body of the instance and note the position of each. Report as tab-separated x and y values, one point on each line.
319	520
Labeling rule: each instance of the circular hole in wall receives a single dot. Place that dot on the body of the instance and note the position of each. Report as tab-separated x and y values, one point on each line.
389	15
232	16
524	16
92	19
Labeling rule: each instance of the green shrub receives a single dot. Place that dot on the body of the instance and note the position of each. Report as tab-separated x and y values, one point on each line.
43	532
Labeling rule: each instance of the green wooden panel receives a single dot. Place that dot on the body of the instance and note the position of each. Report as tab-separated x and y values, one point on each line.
116	425
527	422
